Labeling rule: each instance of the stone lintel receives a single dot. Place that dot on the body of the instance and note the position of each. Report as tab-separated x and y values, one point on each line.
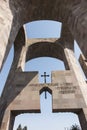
36	40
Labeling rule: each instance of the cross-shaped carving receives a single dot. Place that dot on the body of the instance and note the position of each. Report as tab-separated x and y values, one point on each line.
44	75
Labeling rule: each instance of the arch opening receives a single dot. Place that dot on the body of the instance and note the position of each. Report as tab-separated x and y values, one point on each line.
46	90
43	29
38	12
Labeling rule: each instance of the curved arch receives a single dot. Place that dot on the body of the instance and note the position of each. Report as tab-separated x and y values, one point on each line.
45	89
45	49
21	12
20	39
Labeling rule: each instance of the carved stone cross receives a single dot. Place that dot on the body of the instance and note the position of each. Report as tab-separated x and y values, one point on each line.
44	75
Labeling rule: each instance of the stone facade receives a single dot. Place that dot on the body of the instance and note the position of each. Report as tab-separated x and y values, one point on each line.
22	89
13	14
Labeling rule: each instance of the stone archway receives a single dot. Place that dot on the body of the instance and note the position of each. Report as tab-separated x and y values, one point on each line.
73	16
71	13
47	49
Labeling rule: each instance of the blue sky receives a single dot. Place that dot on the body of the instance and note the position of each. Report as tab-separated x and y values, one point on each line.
46	119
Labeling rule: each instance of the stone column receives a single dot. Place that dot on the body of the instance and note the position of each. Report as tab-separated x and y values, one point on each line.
17	65
83	118
83	63
8	121
79	80
7	91
5	121
22	59
74	67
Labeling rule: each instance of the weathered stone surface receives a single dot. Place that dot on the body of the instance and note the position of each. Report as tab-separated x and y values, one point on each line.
83	62
51	49
22	89
14	14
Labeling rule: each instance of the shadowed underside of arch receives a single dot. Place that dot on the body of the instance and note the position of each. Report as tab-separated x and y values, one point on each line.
45	49
40	10
45	89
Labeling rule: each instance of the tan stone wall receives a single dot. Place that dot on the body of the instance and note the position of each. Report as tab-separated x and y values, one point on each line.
67	94
14	14
69	89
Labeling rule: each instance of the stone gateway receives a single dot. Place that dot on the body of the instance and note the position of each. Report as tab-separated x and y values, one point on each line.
21	93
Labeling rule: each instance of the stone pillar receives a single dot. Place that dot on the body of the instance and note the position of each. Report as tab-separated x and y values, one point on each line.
5	121
83	63
78	78
18	61
82	115
22	59
67	41
73	65
17	65
66	38
8	121
20	50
